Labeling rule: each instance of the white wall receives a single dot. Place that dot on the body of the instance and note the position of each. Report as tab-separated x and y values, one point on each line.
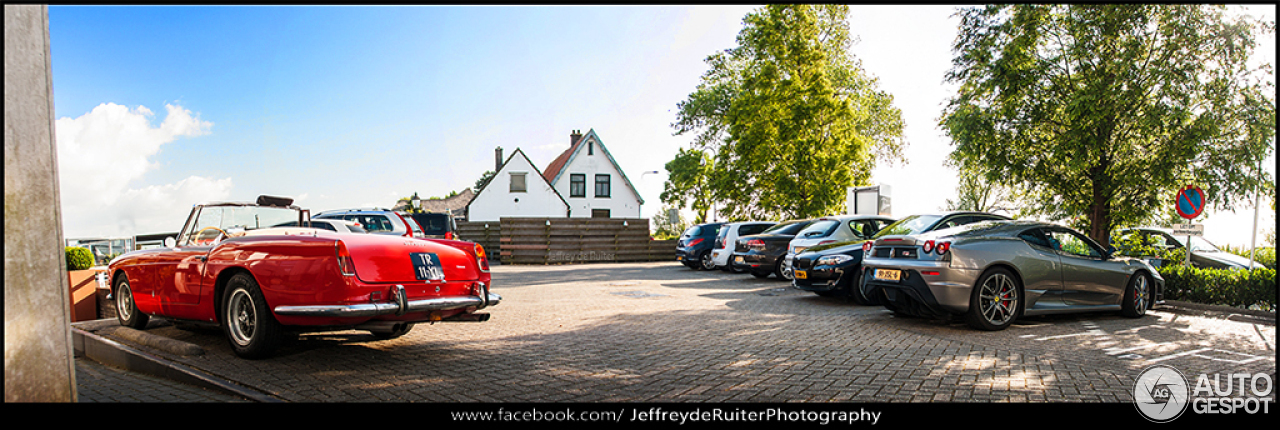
497	200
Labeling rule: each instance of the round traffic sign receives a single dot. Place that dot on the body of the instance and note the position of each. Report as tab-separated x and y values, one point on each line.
1190	202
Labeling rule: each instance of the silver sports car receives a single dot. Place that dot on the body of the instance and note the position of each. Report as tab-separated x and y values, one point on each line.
994	272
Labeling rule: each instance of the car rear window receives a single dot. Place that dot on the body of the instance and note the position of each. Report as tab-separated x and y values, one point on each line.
788	228
433	224
751	229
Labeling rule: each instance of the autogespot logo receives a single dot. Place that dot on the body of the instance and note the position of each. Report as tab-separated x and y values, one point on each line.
1161	393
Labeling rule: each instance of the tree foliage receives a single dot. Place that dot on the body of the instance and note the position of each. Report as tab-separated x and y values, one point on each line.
789	117
1102	112
686	184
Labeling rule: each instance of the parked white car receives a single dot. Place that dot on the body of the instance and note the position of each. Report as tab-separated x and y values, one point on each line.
833	229
729	234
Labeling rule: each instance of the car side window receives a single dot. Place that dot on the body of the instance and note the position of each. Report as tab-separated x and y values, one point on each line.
1069	243
1036	237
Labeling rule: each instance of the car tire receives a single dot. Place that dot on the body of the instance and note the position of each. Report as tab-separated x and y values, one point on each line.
126	309
399	330
856	292
995	302
705	261
247	320
782	271
1137	296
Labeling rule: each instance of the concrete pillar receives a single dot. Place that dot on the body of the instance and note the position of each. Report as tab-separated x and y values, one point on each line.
39	365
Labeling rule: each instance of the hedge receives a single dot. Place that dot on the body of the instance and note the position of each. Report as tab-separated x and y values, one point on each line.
1239	288
78	258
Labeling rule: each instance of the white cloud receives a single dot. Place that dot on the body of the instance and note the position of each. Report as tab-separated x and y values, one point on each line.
103	152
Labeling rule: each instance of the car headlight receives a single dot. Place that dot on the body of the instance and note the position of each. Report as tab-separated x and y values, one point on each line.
832	260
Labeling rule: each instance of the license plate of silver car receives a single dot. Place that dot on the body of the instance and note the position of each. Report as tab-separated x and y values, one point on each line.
888	275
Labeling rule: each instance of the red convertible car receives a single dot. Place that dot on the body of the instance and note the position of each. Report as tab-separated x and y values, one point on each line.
235	266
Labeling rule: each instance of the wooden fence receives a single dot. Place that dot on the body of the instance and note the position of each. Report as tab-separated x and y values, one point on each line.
567	240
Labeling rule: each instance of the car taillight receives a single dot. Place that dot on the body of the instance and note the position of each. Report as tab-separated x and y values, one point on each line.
939	247
449	235
826	242
695	242
345	264
481	260
866	246
755	243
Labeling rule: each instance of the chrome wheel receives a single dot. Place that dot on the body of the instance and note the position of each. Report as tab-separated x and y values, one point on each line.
242	317
707	262
998	299
124	301
1140	293
250	328
1137	296
126	309
995	301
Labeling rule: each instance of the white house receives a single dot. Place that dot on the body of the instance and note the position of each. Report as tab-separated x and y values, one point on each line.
591	181
518	189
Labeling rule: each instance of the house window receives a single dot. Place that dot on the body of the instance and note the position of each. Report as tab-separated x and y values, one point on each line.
599	213
602	185
577	185
517	183
591	147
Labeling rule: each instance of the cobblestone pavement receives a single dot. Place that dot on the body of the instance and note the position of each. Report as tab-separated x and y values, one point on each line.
660	332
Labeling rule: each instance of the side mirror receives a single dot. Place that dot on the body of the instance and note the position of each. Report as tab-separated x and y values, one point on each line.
170	242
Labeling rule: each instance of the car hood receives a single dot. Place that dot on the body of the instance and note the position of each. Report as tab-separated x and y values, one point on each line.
843	247
1225	259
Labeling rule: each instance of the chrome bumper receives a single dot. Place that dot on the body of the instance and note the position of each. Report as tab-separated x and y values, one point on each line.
398	306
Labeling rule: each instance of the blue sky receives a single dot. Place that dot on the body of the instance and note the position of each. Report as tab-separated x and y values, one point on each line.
342	106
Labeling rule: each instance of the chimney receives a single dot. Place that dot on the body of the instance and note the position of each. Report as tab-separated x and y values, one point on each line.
497	159
574	137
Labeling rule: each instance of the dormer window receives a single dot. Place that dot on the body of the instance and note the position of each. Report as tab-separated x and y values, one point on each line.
591	147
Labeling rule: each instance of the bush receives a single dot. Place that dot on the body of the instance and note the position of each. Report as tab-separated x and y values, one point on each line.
79	258
1264	256
1239	288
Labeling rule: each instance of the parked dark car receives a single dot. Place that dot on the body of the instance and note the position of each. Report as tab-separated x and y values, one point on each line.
694	247
822	267
436	225
835	269
762	254
1203	253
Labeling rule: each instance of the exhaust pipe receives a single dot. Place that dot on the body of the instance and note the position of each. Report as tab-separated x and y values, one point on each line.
468	318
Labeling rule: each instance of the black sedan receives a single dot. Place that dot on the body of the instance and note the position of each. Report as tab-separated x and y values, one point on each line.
762	254
833	270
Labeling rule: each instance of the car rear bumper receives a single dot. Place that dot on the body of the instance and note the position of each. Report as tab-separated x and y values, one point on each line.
756	262
932	296
399	305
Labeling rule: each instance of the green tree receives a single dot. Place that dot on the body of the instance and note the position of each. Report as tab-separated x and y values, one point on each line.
686	184
789	117
1102	111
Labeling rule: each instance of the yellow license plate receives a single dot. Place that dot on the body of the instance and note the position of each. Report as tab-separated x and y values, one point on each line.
888	275
800	274
678	258
737	259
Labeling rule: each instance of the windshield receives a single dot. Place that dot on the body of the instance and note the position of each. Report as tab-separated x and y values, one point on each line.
821	228
1198	244
914	224
213	221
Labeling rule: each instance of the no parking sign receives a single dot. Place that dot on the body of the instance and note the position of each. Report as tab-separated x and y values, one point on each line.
1190	202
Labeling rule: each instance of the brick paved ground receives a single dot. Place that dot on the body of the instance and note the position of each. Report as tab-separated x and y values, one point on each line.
659	332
